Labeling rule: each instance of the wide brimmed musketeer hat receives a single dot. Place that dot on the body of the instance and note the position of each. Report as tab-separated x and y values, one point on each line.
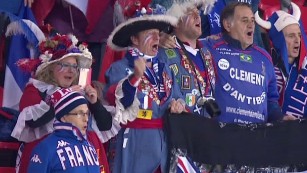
144	20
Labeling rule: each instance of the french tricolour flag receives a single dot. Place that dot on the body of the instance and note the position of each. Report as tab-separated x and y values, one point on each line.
15	80
25	36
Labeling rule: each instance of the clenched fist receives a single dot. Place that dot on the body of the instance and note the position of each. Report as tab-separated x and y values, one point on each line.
139	67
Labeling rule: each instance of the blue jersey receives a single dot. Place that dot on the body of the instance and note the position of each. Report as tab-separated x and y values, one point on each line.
64	150
246	82
141	146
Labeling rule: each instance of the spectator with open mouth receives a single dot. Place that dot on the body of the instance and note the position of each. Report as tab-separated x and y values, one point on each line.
289	57
66	149
142	88
58	66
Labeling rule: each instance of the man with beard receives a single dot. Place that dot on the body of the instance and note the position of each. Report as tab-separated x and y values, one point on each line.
190	61
245	86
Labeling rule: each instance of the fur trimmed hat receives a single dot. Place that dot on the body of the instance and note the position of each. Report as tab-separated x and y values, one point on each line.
65	100
179	8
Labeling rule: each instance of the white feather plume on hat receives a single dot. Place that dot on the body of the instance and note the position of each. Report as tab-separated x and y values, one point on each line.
179	7
27	28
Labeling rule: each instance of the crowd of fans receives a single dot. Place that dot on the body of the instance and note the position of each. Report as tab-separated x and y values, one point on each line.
103	76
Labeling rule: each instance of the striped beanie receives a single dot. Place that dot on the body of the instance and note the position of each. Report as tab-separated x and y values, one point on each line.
64	100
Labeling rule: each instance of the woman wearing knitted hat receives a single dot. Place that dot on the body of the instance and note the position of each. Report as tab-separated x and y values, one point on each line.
67	148
58	67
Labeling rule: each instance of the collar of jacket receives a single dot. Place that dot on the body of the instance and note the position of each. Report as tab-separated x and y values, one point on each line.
233	42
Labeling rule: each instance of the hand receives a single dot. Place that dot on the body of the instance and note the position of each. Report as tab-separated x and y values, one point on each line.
139	67
289	117
176	107
167	41
99	87
91	94
285	4
28	3
77	88
213	37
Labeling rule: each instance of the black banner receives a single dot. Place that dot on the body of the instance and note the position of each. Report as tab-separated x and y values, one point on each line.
207	141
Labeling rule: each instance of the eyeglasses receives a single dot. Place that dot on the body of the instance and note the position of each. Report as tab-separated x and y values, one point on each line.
80	114
66	66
